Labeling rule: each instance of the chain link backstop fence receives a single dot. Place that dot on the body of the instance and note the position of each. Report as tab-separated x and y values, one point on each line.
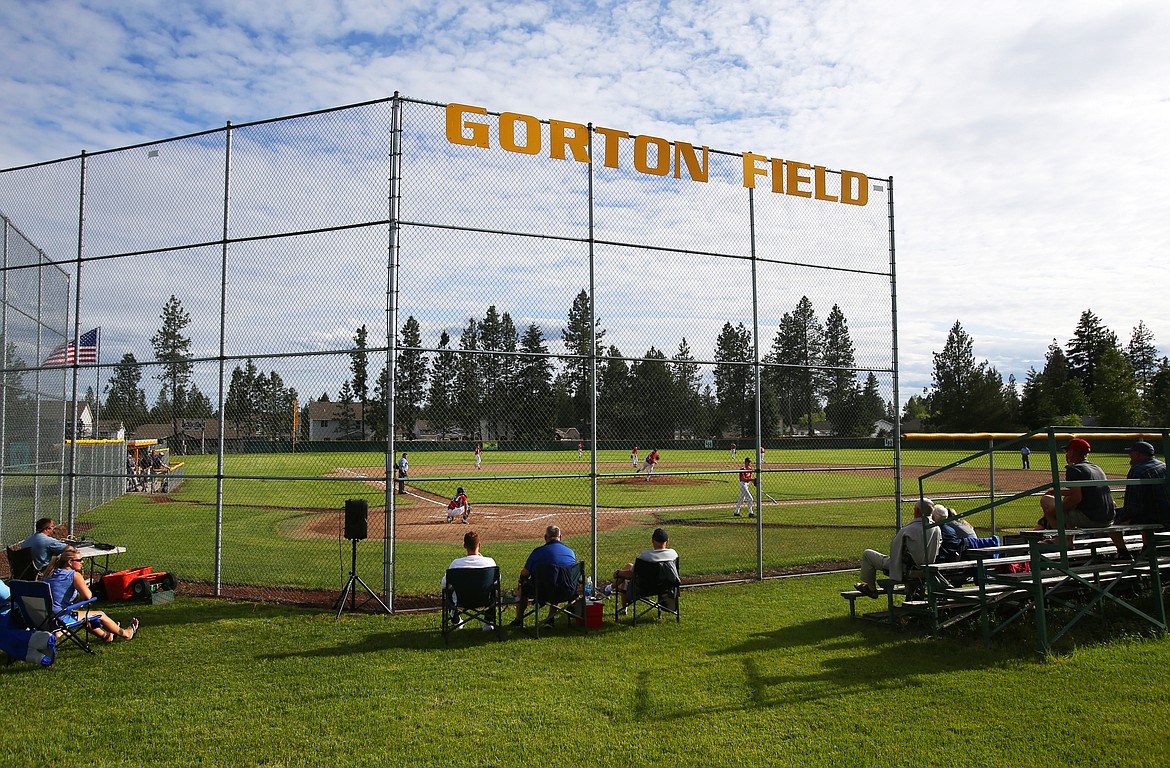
550	317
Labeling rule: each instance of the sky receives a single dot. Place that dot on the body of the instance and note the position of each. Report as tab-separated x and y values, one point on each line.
1027	141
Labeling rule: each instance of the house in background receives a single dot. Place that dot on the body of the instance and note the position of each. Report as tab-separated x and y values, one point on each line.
84	420
327	422
111	429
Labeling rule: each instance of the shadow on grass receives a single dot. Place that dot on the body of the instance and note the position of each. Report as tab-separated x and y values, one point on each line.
196	610
825	659
431	639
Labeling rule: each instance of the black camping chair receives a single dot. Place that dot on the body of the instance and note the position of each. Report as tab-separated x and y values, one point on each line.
34	600
20	562
655	587
558	585
471	593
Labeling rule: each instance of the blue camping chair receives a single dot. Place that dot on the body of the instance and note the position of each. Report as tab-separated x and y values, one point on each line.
558	585
471	593
34	601
20	643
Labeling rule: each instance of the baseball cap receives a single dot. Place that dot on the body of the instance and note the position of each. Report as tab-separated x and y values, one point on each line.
659	535
1080	445
1141	446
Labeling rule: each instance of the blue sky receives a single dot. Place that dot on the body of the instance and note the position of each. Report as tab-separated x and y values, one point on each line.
1026	140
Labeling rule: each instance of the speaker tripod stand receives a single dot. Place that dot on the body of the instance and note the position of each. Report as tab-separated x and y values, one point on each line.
351	588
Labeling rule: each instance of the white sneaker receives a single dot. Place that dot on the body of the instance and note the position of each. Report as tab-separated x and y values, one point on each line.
488	628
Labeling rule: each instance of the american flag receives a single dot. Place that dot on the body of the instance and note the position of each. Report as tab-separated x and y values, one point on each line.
63	354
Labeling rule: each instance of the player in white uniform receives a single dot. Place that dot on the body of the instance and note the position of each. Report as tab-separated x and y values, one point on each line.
478	457
745	489
634	457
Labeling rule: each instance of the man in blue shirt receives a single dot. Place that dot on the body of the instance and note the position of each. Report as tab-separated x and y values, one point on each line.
403	471
42	543
551	552
1143	503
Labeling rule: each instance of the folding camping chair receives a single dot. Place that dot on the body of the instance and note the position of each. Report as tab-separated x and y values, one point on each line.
34	600
558	584
471	593
655	587
20	562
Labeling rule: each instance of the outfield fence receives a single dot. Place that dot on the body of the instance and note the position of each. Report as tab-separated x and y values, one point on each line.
291	304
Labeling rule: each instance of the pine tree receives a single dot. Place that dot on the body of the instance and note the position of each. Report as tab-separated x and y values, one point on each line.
687	379
614	409
534	387
1115	397
733	379
359	367
795	356
468	382
1143	356
576	337
650	401
440	409
173	349
125	400
966	396
1090	340
843	406
410	377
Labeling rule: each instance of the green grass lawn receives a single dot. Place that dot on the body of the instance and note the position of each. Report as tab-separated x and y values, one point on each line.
773	673
261	519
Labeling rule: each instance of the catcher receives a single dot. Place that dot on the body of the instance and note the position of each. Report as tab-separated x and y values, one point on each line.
459	507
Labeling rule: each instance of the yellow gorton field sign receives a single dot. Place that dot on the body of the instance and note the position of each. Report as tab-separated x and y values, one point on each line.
467	126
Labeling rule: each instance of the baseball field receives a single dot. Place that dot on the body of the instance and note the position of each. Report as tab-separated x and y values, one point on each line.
282	526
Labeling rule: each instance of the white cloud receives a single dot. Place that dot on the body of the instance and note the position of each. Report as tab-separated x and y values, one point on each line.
1026	140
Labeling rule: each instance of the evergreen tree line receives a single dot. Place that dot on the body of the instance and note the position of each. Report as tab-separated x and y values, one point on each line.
498	381
1092	378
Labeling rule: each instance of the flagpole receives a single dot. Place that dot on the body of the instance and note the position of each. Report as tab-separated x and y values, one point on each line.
97	393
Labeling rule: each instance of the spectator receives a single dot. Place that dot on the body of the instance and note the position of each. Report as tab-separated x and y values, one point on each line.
551	552
473	559
43	544
660	552
1089	506
1143	504
131	472
68	586
913	539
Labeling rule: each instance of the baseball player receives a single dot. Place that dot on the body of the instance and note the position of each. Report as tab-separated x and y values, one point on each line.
648	464
733	450
745	489
634	457
580	447
478	457
458	507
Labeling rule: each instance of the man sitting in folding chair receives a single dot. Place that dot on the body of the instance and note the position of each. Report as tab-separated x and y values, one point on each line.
68	585
471	573
651	579
552	552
